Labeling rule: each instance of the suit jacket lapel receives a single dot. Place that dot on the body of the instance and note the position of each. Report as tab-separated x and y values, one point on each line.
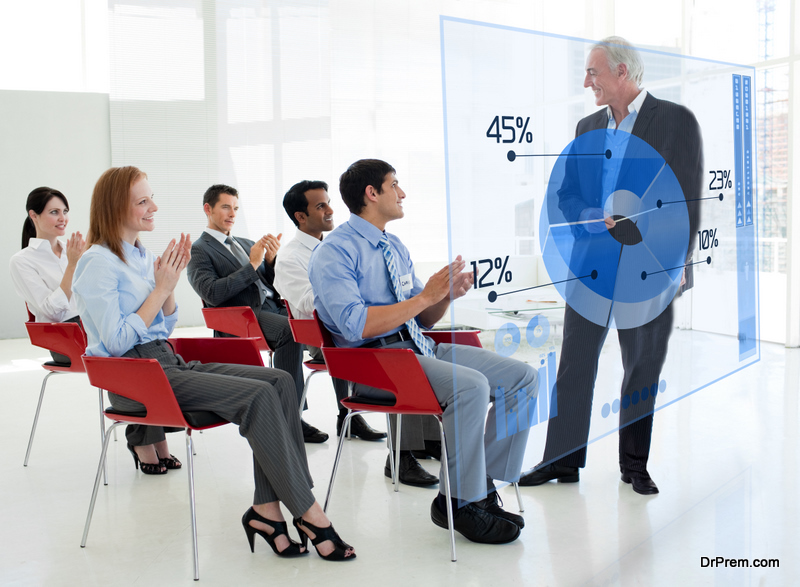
220	248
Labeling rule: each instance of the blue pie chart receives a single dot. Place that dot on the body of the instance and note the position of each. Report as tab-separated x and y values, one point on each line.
624	275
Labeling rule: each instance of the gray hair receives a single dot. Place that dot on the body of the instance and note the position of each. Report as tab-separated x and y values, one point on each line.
618	51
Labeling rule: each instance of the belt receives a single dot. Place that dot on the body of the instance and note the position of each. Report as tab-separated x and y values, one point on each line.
399	336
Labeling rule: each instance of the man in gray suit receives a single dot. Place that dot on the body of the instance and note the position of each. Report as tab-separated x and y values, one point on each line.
233	271
614	71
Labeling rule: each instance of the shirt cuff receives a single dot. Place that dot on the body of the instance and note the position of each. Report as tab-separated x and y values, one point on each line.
135	321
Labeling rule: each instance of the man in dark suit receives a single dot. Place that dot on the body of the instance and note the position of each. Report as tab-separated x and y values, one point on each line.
233	271
614	72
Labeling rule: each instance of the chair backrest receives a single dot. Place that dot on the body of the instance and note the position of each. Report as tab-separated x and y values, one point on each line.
465	337
141	380
305	331
394	370
240	351
144	381
65	338
236	321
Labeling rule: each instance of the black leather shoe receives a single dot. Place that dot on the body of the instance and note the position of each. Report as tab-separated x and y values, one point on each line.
312	435
641	482
476	524
411	472
433	450
541	475
494	505
359	428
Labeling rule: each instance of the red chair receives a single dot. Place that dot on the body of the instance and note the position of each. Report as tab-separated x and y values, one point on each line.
65	338
399	372
144	381
237	321
307	332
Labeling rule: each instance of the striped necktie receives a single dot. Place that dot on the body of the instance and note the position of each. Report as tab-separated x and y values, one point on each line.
423	344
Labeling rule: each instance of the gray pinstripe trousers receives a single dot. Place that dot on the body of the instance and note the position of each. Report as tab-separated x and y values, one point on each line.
261	401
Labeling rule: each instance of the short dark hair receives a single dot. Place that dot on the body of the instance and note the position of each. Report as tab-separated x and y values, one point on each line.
295	199
37	200
211	197
354	181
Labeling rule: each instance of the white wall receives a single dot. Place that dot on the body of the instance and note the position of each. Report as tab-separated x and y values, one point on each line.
55	139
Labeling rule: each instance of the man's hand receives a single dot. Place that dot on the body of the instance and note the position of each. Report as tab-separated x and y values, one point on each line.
271	246
595	221
439	285
257	252
462	282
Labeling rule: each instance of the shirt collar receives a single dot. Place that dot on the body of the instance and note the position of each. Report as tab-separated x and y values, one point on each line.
35	243
133	251
633	108
366	229
220	236
306	240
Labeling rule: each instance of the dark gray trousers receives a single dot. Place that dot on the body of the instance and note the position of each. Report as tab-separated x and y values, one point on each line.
261	401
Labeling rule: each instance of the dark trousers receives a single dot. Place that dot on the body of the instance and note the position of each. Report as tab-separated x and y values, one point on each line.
288	354
260	401
644	350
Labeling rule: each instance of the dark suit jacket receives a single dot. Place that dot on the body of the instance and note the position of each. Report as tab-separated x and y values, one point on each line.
672	130
220	280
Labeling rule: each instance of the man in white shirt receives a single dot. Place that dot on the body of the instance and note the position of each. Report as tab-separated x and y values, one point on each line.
308	205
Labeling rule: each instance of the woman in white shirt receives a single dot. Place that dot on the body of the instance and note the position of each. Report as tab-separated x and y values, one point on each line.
42	271
42	274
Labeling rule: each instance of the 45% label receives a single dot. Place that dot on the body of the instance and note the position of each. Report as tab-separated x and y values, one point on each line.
501	126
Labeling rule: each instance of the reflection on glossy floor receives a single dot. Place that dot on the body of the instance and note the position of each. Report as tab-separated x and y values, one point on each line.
726	461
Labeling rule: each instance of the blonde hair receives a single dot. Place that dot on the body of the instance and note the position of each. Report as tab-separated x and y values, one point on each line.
110	207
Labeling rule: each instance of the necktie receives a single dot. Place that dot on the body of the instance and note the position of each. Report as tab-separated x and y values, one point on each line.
419	339
242	258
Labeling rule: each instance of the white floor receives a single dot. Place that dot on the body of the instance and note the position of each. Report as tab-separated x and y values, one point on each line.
726	461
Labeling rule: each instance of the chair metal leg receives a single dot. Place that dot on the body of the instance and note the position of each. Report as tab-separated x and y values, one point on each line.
305	390
103	434
396	471
192	508
446	473
97	482
346	424
36	417
391	450
519	497
336	461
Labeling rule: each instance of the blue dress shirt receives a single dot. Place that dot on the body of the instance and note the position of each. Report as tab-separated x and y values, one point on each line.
109	292
348	275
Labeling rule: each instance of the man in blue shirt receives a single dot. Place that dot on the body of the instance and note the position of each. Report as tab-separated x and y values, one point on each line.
367	294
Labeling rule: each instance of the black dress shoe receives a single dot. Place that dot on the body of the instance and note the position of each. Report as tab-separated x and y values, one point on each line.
312	435
476	524
494	505
541	475
411	472
641	482
359	428
433	450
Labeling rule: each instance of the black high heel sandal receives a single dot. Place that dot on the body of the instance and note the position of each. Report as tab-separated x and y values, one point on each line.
147	468
280	529
323	534
170	462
